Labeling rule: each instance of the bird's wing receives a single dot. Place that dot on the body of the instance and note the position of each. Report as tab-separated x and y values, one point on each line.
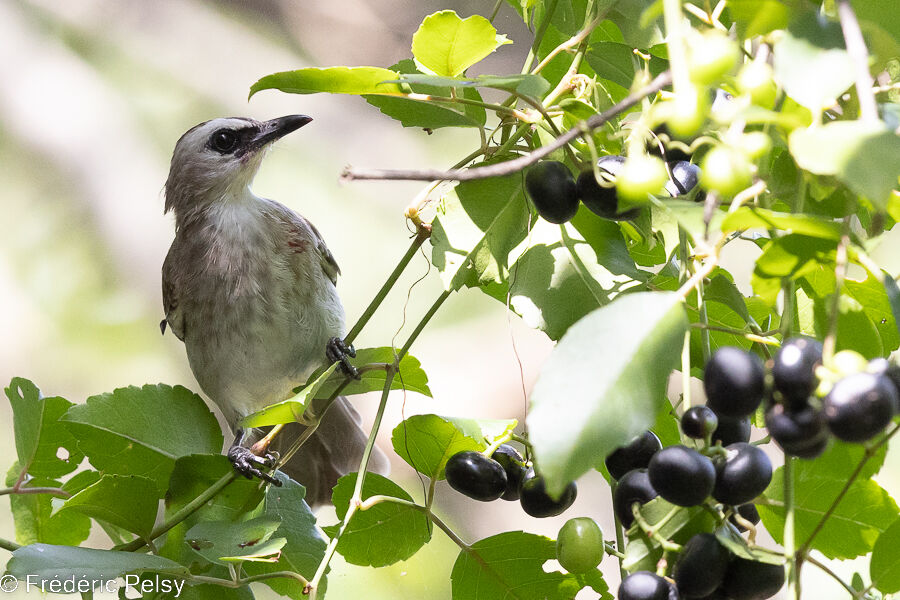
300	233
174	316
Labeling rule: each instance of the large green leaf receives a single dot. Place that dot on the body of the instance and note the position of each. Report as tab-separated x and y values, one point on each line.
290	410
334	80
413	112
811	62
305	545
385	533
511	566
865	511
227	542
46	562
125	501
122	432
885	566
425	442
864	156
476	228
875	300
447	45
759	17
194	474
604	383
34	518
791	256
612	61
39	435
761	218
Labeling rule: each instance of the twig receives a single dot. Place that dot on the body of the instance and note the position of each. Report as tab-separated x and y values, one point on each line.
239	583
9	545
515	165
835	576
840	273
856	48
796	562
53	491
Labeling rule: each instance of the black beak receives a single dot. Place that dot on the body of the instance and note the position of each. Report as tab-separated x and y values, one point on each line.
270	131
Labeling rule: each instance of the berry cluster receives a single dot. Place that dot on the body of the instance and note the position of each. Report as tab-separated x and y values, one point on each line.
505	475
555	192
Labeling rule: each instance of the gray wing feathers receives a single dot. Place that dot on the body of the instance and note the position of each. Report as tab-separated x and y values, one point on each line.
174	316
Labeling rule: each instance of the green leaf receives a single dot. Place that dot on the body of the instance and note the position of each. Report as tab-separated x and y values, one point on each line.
864	156
192	475
476	228
227	542
510	565
885	566
811	62
385	533
729	537
642	552
334	80
34	518
46	562
290	410
759	17
865	511
893	294
125	501
426	442
558	280
791	256
761	218
39	435
428	114
579	414
531	86
447	45
612	61
305	545
410	377
875	299
131	430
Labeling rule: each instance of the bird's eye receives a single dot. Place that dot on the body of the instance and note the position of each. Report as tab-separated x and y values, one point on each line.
224	141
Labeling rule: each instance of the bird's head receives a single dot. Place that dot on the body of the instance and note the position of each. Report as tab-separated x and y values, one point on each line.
218	159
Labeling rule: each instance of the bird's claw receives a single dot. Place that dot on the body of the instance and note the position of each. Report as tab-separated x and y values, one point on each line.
338	351
248	464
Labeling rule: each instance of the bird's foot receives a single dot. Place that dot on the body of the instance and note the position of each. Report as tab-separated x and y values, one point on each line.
338	351
248	464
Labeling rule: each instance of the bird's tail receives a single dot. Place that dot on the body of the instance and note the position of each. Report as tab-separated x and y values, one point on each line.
335	449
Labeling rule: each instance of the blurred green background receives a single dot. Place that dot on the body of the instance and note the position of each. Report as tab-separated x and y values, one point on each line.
96	92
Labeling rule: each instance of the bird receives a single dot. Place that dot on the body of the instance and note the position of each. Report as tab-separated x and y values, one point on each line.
249	286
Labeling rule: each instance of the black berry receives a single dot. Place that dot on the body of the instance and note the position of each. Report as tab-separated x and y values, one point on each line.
698	422
681	475
751	580
551	187
701	567
644	585
744	475
734	381
634	487
600	200
794	368
801	432
476	476
731	431
685	177
537	502
859	406
634	455
514	465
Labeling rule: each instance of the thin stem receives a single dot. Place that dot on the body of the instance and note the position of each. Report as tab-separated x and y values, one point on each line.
620	536
840	273
422	234
428	315
499	108
183	513
539	36
794	563
856	48
611	550
835	576
238	583
705	345
53	491
652	532
515	165
685	372
9	545
673	18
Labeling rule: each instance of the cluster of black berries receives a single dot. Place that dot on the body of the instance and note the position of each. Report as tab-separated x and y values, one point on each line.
706	569
555	193
505	475
806	404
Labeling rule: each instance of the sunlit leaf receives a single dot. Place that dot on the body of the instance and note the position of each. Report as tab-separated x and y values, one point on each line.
334	80
447	45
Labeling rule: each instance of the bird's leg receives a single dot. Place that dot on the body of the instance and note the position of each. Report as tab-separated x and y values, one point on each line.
338	351
247	463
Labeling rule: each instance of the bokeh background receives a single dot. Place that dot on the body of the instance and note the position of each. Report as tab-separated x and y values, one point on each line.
94	95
